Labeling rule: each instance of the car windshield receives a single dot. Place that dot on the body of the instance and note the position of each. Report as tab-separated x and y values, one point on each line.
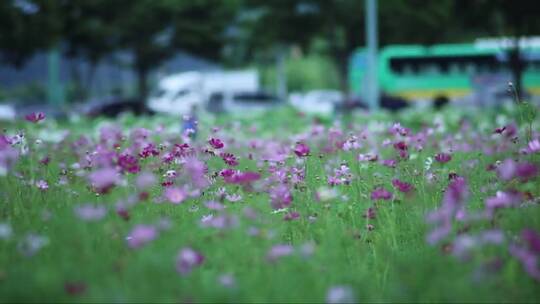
257	97
159	93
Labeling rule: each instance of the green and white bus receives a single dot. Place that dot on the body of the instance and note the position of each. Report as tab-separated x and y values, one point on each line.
416	72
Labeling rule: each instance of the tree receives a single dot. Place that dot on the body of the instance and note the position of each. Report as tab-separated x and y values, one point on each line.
154	29
27	27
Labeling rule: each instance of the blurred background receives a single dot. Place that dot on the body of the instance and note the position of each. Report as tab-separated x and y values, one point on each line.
103	57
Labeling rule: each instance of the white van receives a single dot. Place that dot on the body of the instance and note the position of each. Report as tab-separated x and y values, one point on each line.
177	94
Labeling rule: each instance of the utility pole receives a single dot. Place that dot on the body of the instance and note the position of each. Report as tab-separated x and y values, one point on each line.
55	94
372	83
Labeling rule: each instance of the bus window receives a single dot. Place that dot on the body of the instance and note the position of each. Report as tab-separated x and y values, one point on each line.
407	70
470	68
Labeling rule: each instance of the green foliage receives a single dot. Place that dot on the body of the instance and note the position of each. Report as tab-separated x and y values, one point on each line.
304	73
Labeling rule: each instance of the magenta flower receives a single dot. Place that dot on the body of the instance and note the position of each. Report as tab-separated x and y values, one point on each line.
175	195
533	240
227	172
187	259
103	179
510	169
370	213
528	255
443	157
401	146
279	251
301	150
391	163
503	200
402	186
291	216
280	197
141	235
35	117
526	171
216	143
128	163
149	150
381	193
229	159
90	212
507	169
242	177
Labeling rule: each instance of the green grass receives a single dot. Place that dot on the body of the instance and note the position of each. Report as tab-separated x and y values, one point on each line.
391	263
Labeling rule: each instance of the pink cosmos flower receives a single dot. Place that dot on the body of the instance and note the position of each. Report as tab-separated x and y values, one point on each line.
141	235
454	198
42	185
526	171
402	186
397	129
301	150
510	169
90	212
533	146
149	150
280	197
503	200
213	205
175	195
391	163
443	157
103	179
381	193
291	216
242	177
145	180
529	254
370	213
229	159
187	259
401	146
222	221
506	169
35	117
216	143
128	163
279	251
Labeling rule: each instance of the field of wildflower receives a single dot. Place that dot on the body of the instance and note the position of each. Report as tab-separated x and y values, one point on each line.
280	207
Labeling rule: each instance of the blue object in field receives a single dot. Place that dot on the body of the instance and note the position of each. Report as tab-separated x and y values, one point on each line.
190	122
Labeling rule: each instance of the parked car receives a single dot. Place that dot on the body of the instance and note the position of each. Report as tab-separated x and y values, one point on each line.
113	106
322	102
242	102
7	112
177	94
